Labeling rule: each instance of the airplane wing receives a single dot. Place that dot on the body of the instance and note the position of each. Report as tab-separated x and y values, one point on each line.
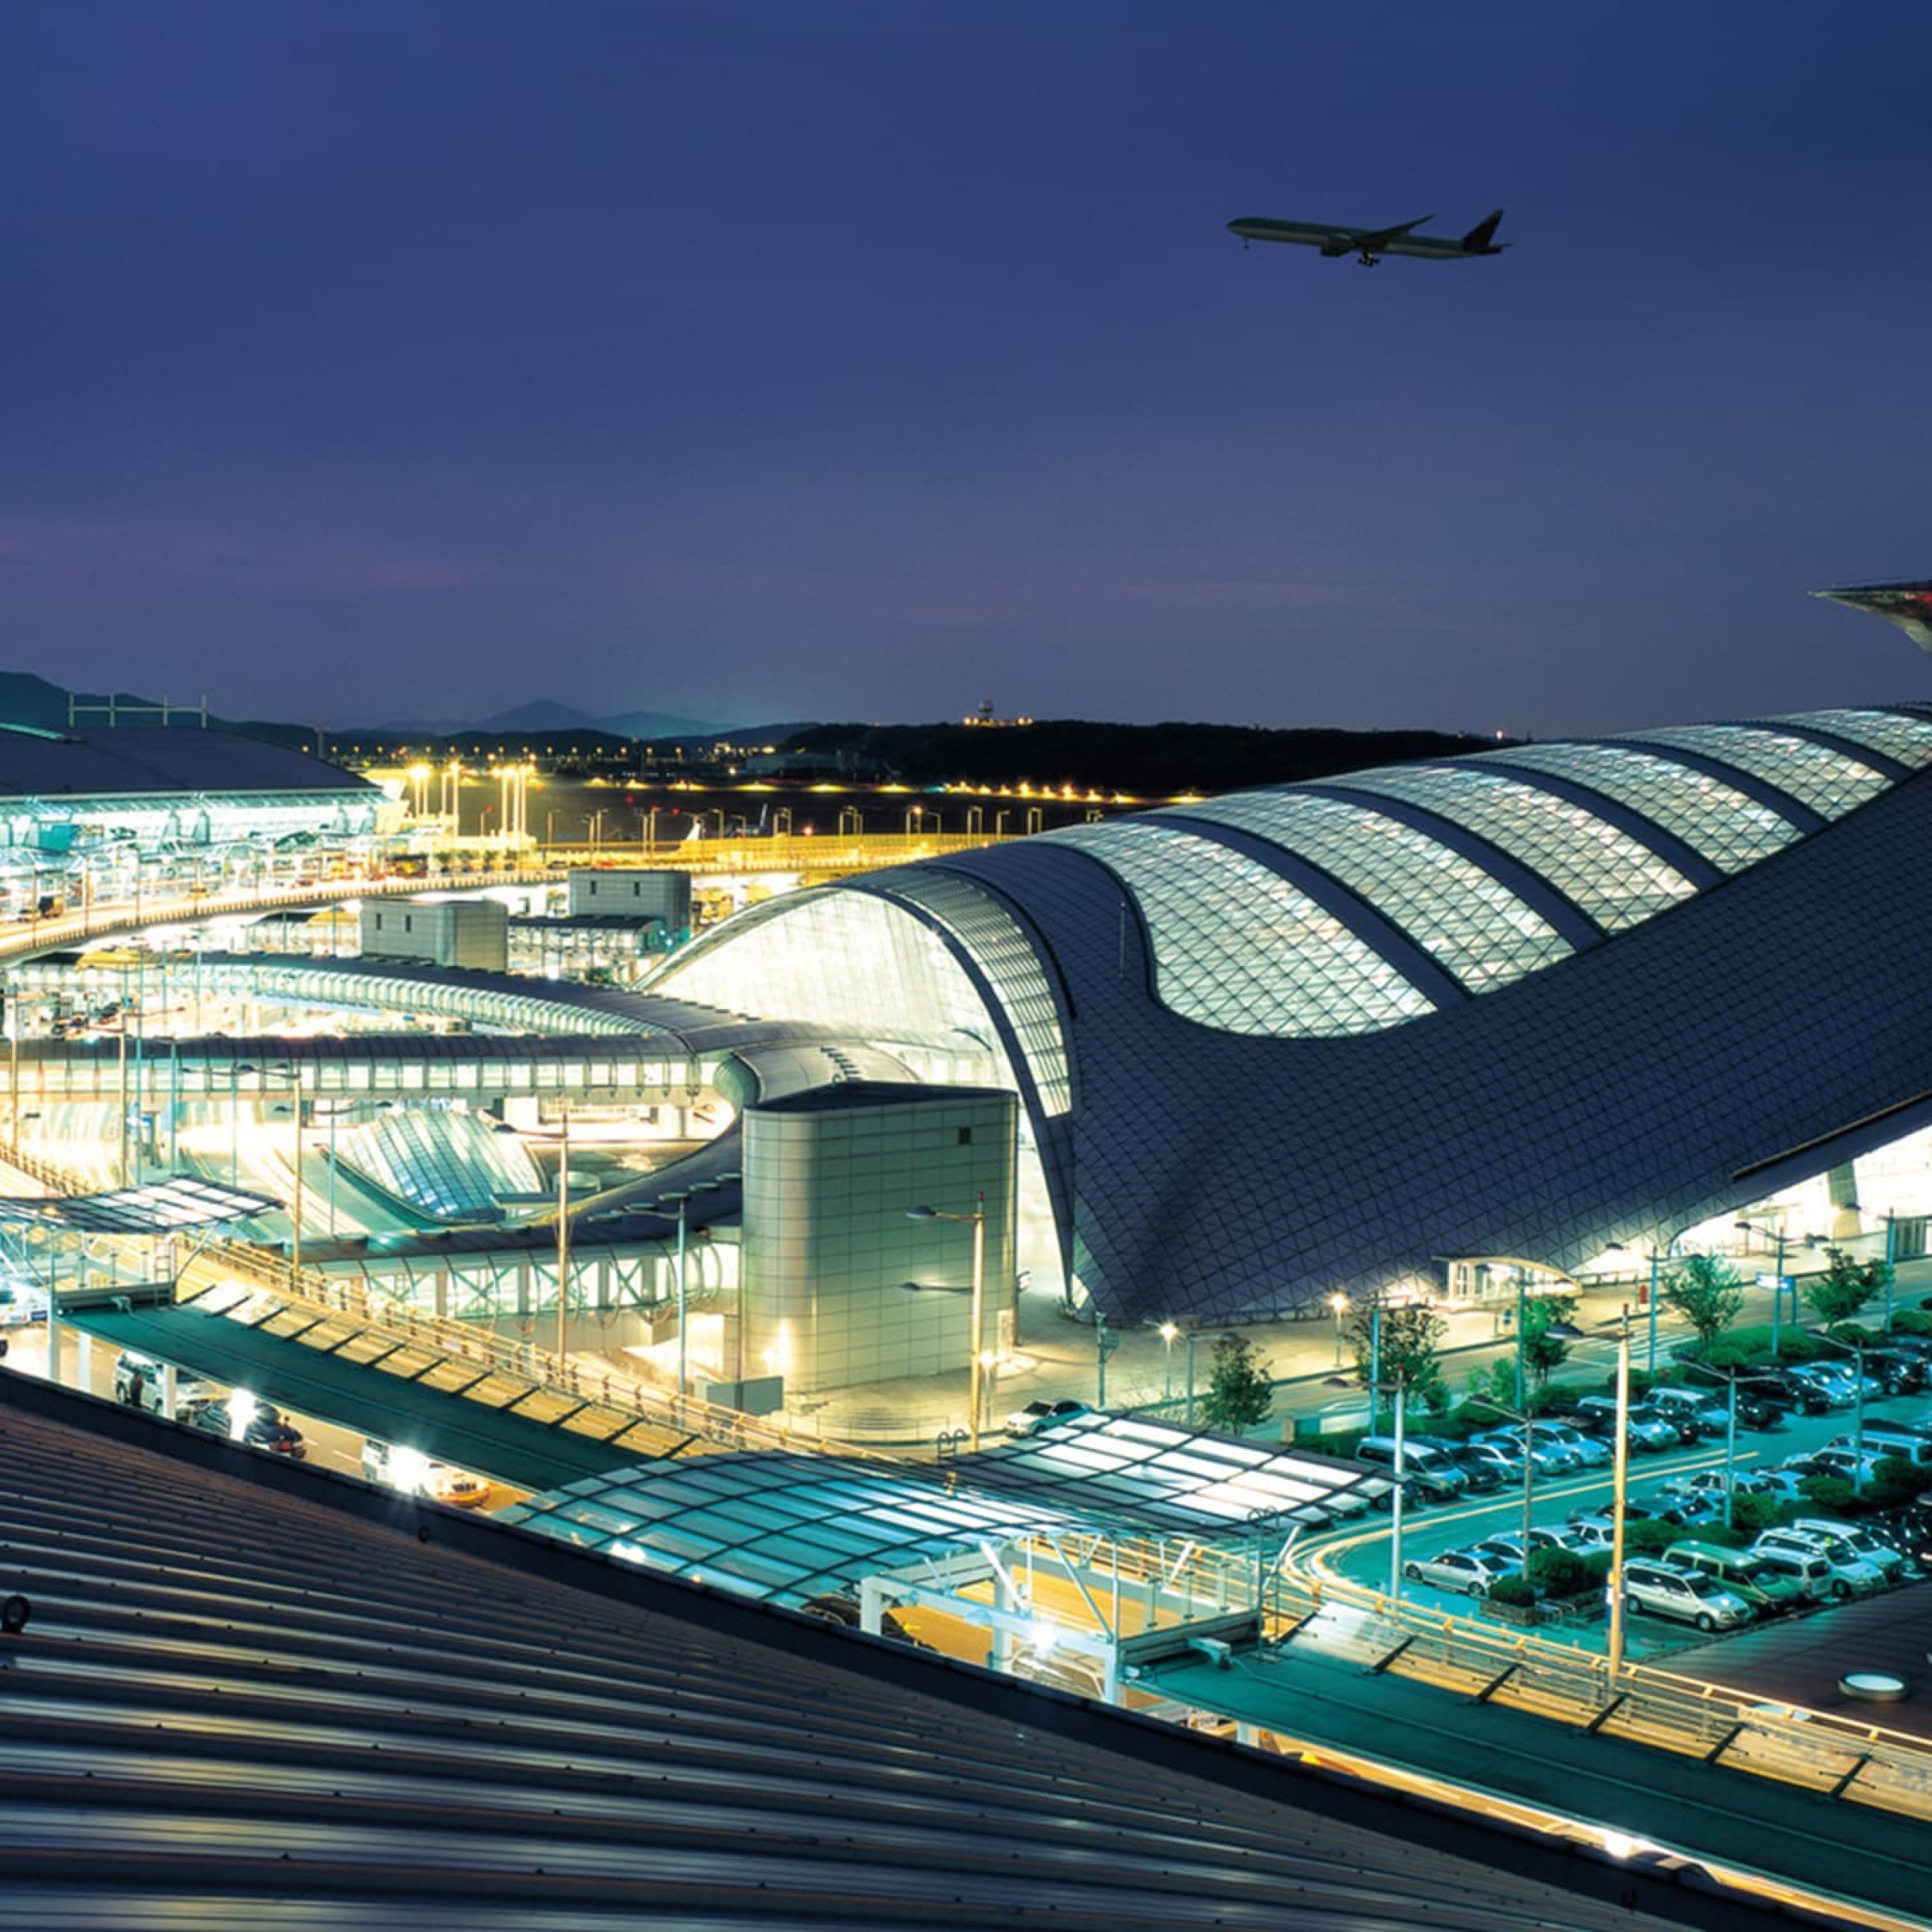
1372	238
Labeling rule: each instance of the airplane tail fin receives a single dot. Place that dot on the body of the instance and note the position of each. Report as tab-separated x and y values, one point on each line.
1479	237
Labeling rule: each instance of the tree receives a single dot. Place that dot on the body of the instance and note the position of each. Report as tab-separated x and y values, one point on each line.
1844	1288
1543	1353
1704	1290
1411	1333
1239	1393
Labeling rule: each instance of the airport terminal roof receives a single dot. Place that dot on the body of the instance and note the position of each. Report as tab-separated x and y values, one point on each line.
1328	1037
253	1694
121	760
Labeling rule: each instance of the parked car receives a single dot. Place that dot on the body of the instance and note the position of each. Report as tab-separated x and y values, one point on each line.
1834	1389
1687	1595
1648	1431
1551	1458
1470	1570
1792	1393
1848	1573
1692	1406
1845	1465
1899	1371
1037	1415
1889	1439
1683	1427
1486	1464
1588	1453
1426	1469
1768	1588
1889	1561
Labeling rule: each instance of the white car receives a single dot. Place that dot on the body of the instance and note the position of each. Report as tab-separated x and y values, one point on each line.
1849	1574
1038	1416
1688	1595
1470	1570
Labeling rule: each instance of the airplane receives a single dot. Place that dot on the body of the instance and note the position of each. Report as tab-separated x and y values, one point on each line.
1368	245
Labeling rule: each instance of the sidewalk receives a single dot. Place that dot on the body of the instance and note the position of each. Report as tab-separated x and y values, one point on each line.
1056	1359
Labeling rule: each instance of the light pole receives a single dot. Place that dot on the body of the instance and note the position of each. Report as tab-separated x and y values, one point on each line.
1891	1245
563	1233
1856	1352
1395	1503
1522	1421
1169	1333
1339	1303
1778	1278
977	1216
1619	1493
1189	1416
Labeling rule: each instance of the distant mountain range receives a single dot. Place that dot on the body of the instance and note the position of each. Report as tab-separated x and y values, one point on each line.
36	702
545	714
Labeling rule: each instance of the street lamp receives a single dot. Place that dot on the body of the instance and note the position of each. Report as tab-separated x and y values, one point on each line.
977	1216
1856	1352
1619	1494
1522	1421
1169	1333
1777	1277
1339	1303
1731	1377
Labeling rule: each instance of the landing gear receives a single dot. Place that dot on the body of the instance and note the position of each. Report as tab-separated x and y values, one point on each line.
1367	260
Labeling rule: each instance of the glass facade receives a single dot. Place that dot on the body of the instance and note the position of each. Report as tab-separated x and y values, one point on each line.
448	1164
1478	930
1002	951
1830	782
1896	734
1599	868
845	959
1236	946
1715	820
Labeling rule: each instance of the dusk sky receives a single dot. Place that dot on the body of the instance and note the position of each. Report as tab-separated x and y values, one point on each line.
760	359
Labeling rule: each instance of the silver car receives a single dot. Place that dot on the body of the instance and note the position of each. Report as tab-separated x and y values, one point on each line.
1688	1595
1470	1570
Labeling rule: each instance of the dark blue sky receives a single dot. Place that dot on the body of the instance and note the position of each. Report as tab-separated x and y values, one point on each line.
756	360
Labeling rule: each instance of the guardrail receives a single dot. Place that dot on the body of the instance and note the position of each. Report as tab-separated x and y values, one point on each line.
1835	1755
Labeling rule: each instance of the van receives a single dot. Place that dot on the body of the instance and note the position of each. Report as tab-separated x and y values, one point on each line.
1427	1469
1889	1438
1766	1587
1890	1563
1849	1574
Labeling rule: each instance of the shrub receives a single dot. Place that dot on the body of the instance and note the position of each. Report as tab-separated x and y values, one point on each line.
1650	1535
1563	1573
1750	1514
1831	1494
1897	1472
1911	1322
1516	1590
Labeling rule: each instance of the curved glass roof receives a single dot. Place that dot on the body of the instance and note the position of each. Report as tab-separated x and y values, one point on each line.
1003	952
1712	818
1236	946
1830	782
1608	876
1474	926
851	959
1897	734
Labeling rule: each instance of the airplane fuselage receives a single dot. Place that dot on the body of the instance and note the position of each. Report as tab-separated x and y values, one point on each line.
1332	239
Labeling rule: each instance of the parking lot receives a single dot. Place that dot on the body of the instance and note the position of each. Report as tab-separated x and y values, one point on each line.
1362	1554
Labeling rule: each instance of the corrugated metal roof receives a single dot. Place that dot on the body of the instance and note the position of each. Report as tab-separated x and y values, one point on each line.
252	1694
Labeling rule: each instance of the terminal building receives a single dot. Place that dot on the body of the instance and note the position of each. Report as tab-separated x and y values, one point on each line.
1416	1029
89	814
